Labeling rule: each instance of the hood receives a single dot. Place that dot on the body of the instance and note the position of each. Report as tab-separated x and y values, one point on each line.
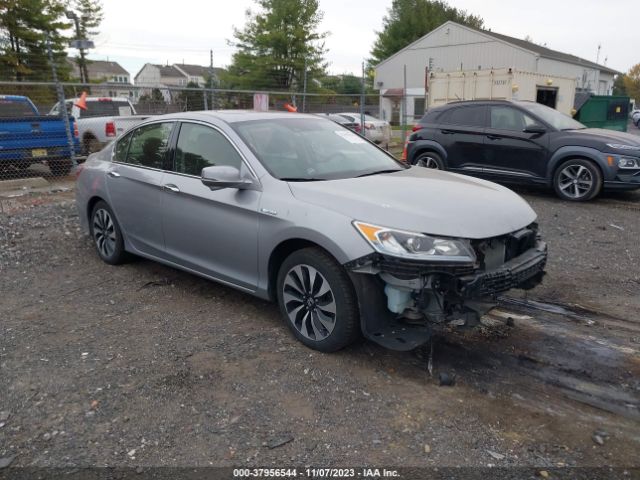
423	200
608	136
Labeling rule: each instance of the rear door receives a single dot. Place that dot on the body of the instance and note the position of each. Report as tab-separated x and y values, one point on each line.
212	232
510	152
461	132
134	183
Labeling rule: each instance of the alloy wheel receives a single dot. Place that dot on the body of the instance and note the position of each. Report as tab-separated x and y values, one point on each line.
104	232
575	181
428	162
309	302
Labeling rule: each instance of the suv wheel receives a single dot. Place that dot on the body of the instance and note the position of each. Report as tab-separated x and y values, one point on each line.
106	234
577	180
317	300
429	160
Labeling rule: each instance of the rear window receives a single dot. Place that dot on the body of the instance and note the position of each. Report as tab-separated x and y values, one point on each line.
106	108
471	116
12	108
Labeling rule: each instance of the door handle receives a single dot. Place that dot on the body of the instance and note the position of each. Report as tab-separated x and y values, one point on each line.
493	137
171	188
447	132
113	174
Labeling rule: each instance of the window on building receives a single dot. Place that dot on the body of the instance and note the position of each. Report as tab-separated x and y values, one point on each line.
418	107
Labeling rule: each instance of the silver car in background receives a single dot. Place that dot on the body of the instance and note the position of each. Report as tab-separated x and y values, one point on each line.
301	211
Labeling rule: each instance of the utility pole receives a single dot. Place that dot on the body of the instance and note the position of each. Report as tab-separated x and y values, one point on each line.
362	99
304	87
84	76
213	107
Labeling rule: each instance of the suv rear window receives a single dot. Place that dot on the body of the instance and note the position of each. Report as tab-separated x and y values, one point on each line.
469	116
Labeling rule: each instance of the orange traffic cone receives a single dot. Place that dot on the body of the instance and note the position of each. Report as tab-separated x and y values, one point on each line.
82	102
290	108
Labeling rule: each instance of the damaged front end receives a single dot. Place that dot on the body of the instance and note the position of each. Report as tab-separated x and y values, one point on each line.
415	282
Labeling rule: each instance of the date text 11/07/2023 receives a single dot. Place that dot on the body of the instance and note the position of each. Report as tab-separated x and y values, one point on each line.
316	472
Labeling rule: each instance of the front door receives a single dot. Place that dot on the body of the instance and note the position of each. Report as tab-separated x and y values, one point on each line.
212	232
510	152
134	184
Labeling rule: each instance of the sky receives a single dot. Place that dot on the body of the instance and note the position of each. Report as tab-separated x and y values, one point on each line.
136	32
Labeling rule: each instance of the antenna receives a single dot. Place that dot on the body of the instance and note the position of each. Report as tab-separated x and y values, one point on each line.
598	56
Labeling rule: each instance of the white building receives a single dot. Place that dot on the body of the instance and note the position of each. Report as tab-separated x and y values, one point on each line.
453	46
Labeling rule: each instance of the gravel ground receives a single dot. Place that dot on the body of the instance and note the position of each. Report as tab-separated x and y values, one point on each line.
142	365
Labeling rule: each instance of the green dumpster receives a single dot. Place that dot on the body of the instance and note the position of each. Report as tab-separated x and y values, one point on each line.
604	111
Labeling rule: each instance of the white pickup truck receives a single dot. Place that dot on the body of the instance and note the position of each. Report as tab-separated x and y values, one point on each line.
103	119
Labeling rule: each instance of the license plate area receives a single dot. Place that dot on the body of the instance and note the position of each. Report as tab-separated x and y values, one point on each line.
39	152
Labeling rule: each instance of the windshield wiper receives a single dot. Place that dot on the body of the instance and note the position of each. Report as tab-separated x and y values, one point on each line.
302	179
378	171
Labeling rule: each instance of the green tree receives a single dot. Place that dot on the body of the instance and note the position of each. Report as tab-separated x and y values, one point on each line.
618	85
275	45
87	16
24	26
632	82
191	99
408	20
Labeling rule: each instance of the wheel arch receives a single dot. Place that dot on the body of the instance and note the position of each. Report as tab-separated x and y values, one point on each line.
278	256
428	146
92	203
575	153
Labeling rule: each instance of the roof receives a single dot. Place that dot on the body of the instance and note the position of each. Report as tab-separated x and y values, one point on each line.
169	71
543	52
95	67
233	116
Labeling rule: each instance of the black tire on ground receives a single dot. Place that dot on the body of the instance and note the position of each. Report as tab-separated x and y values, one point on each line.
429	160
306	304
90	145
577	180
60	168
107	235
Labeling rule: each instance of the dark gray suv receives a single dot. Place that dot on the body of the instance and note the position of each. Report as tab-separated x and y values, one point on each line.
525	142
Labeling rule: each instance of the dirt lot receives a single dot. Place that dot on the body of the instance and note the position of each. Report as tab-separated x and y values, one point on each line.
142	365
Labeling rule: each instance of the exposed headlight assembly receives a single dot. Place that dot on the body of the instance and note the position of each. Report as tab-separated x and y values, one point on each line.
628	162
417	246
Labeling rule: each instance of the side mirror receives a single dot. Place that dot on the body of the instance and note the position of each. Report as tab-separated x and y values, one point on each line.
535	128
222	176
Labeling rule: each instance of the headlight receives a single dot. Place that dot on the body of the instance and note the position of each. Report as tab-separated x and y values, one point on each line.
621	146
418	246
627	162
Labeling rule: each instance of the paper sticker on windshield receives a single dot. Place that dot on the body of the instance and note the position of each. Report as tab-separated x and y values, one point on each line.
350	136
124	111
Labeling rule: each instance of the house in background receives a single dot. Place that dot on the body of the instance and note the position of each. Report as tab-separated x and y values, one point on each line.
168	78
110	79
454	47
198	74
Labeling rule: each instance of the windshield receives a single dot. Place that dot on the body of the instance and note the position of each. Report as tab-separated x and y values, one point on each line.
553	117
306	149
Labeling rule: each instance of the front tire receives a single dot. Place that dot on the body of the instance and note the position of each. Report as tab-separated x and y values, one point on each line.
318	301
429	160
577	180
107	235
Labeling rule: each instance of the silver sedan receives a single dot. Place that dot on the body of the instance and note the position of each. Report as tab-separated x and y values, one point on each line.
301	211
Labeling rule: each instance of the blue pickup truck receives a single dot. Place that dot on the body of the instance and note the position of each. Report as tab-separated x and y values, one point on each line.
26	137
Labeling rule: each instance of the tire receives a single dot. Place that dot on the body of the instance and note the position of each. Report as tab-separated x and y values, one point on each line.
90	145
318	300
107	235
577	180
429	160
60	168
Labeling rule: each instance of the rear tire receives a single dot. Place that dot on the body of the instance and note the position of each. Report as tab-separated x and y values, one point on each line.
107	235
90	145
577	180
318	300
429	160
60	168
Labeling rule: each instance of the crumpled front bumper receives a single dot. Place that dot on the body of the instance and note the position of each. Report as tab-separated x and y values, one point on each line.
524	271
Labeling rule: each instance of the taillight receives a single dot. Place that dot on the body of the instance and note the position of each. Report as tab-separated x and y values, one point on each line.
110	129
75	130
417	127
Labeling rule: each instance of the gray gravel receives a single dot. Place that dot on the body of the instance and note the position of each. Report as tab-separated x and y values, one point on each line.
143	365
